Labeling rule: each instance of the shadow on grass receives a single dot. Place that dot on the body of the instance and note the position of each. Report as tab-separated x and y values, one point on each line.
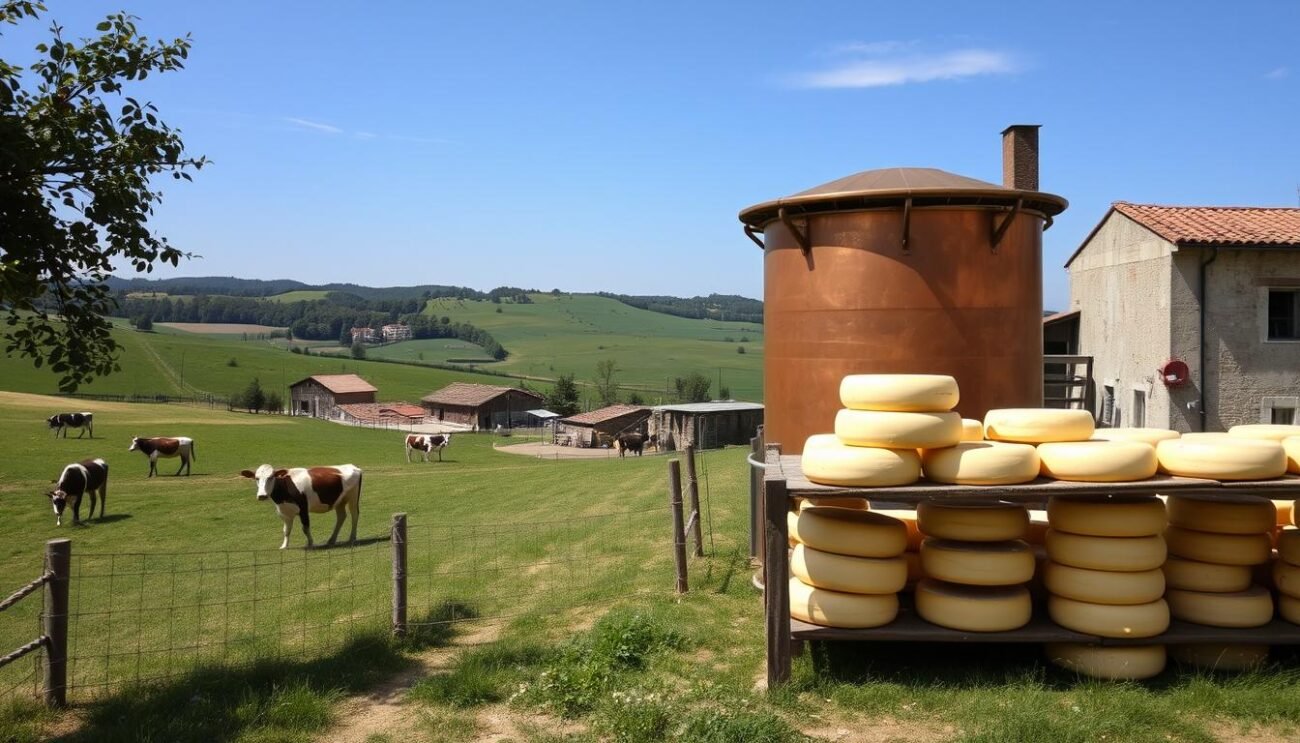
109	519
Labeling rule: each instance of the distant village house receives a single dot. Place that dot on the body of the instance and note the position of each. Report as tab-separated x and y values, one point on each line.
396	332
365	335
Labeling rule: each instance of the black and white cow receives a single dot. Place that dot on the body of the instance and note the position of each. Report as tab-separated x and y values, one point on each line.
301	491
425	443
181	446
630	442
61	422
87	476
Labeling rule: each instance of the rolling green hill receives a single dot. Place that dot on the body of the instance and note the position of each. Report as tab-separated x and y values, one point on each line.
301	295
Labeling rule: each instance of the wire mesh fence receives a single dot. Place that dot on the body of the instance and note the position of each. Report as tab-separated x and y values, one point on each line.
20	622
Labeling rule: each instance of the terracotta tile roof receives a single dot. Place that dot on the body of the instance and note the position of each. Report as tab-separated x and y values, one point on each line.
376	411
605	414
465	393
339	383
1217	225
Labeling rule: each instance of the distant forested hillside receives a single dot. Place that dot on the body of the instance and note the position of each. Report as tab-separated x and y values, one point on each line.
714	306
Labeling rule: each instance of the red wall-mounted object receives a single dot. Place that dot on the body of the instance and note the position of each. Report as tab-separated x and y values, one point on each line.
1174	373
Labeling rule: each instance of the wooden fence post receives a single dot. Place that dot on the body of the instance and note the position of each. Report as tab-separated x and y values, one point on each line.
776	582
755	501
58	561
693	491
679	529
399	574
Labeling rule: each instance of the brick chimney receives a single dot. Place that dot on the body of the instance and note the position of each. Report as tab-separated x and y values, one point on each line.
1020	157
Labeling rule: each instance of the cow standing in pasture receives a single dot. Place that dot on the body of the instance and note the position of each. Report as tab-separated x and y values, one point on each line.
426	443
181	446
303	491
629	442
61	422
87	476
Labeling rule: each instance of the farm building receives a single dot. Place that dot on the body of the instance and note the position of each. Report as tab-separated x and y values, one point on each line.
599	427
382	413
481	406
396	332
541	417
365	335
707	425
320	395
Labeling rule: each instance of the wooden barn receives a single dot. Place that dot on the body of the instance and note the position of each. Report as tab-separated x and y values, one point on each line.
600	427
481	407
707	425
320	395
391	414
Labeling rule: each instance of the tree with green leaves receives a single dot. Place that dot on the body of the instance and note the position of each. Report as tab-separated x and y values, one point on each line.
144	322
605	386
694	387
564	396
78	160
358	350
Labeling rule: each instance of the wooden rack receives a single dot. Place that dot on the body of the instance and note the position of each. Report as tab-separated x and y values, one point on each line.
784	480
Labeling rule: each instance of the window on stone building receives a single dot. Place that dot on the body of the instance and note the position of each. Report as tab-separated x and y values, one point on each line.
1139	408
1284	314
1282	416
1108	412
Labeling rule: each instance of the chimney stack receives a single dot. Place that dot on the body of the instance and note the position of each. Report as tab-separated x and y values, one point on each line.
1020	157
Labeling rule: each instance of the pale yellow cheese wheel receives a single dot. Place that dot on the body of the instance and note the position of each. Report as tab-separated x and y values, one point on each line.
1121	663
1110	620
1285	512
878	428
848	574
1038	425
838	501
977	563
1224	549
1206	577
1288	608
1291	445
1222	513
972	520
981	463
1252	607
1221	657
1288	545
848	531
828	461
1266	431
1107	516
839	609
973	608
1104	586
908	517
1150	436
972	430
1222	458
917	393
1038	526
1286	578
791	521
1123	554
1097	461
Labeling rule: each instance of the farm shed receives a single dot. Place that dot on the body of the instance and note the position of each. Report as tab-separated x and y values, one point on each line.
320	395
708	425
599	427
481	406
383	413
541	417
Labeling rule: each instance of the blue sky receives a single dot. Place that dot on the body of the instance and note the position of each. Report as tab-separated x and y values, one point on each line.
609	146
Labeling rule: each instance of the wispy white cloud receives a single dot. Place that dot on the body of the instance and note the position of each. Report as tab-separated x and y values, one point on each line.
364	135
417	140
1277	73
883	64
314	125
859	48
317	126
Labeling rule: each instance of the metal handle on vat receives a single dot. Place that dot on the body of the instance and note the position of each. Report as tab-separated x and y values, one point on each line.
749	232
804	243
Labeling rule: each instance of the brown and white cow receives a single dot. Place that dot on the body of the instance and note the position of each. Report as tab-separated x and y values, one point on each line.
86	476
166	448
301	491
61	422
425	443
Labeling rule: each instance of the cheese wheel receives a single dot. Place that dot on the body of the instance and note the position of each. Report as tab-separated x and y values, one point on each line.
917	393
1038	425
972	520
1288	545
848	531
1122	554
1150	436
1038	526
1104	586
838	609
1252	607
828	461
839	501
1291	445
1208	436
977	563
914	570
1288	608
1286	578
1097	461
972	430
1222	458
908	517
1222	513
1285	510
1110	620
981	463
1265	431
971	608
791	521
1122	663
848	574
1224	549
1107	516
1221	657
879	428
1206	577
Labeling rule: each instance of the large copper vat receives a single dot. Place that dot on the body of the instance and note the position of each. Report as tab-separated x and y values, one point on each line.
900	271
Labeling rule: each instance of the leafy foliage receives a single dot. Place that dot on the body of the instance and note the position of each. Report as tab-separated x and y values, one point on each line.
605	386
714	306
694	387
564	396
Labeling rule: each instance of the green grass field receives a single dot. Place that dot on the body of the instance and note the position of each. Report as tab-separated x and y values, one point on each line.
429	351
301	295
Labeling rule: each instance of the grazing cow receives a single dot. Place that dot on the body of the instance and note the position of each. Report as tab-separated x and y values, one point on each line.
181	446
425	443
86	476
629	442
300	491
61	422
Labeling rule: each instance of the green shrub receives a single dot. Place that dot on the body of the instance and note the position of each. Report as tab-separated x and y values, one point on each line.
737	726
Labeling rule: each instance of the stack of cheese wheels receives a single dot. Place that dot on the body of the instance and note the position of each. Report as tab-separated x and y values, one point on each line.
1213	543
832	501
913	553
976	565
1103	571
1286	574
848	567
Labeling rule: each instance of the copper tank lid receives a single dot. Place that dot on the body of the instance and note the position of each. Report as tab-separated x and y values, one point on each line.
892	187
